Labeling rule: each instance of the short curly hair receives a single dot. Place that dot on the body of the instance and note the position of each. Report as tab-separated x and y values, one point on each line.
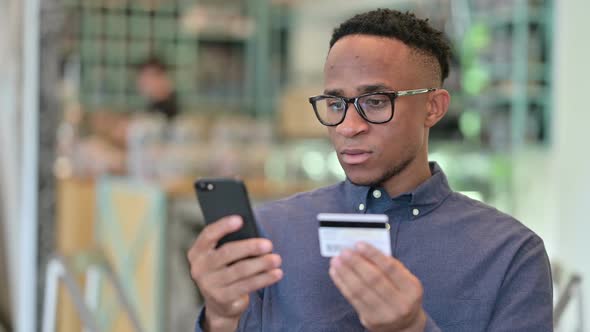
153	62
405	27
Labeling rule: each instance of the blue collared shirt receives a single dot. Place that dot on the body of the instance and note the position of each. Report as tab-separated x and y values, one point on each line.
481	269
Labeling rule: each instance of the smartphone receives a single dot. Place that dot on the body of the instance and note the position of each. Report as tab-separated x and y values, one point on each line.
223	197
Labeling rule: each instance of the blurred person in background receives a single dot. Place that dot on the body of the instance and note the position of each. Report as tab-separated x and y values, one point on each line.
457	265
154	84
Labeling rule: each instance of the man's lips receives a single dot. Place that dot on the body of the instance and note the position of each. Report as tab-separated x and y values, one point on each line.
354	156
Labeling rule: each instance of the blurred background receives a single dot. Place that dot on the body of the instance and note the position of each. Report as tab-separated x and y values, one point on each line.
110	109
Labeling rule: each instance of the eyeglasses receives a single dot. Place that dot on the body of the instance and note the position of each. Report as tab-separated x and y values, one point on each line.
374	107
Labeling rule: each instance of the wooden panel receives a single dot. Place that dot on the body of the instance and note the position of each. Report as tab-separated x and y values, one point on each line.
74	233
131	230
76	210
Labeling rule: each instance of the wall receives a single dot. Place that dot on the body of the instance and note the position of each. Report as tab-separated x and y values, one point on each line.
571	151
552	183
314	22
10	53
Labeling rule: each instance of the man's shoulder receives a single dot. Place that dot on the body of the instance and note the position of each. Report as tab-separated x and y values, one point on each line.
466	203
482	221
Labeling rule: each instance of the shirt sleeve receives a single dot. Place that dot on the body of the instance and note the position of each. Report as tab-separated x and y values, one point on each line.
251	319
525	300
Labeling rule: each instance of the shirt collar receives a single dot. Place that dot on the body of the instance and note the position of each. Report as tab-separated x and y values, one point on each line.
420	201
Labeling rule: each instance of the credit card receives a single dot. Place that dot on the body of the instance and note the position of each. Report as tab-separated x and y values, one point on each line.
339	231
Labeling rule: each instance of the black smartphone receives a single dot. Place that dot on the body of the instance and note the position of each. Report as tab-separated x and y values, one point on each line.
223	197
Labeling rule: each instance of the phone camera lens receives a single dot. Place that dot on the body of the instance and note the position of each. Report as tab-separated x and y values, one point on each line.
202	186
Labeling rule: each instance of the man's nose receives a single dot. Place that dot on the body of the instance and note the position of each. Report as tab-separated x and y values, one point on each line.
353	124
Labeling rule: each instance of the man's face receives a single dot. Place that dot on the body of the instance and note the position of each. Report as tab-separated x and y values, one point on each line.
151	82
372	153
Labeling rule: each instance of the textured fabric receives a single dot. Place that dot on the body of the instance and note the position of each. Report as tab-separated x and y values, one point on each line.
481	269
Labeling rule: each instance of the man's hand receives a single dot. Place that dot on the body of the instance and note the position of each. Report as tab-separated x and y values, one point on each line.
386	296
226	275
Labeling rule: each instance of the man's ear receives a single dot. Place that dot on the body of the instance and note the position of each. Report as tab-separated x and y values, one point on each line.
438	105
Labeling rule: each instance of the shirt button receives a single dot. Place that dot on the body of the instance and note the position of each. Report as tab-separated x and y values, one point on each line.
415	212
361	207
377	193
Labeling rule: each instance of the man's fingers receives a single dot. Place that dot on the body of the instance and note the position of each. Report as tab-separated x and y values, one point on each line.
395	270
363	306
211	234
254	283
234	251
353	288
373	277
370	291
226	296
244	269
240	305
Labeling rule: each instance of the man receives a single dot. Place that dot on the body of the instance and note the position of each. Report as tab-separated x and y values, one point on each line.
457	265
154	83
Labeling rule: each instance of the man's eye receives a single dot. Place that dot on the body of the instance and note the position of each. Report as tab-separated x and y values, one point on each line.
375	102
335	105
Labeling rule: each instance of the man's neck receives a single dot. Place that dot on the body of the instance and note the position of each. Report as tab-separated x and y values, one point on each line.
164	90
416	173
163	95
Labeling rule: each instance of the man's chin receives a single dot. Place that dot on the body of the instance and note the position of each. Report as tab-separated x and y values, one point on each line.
370	181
